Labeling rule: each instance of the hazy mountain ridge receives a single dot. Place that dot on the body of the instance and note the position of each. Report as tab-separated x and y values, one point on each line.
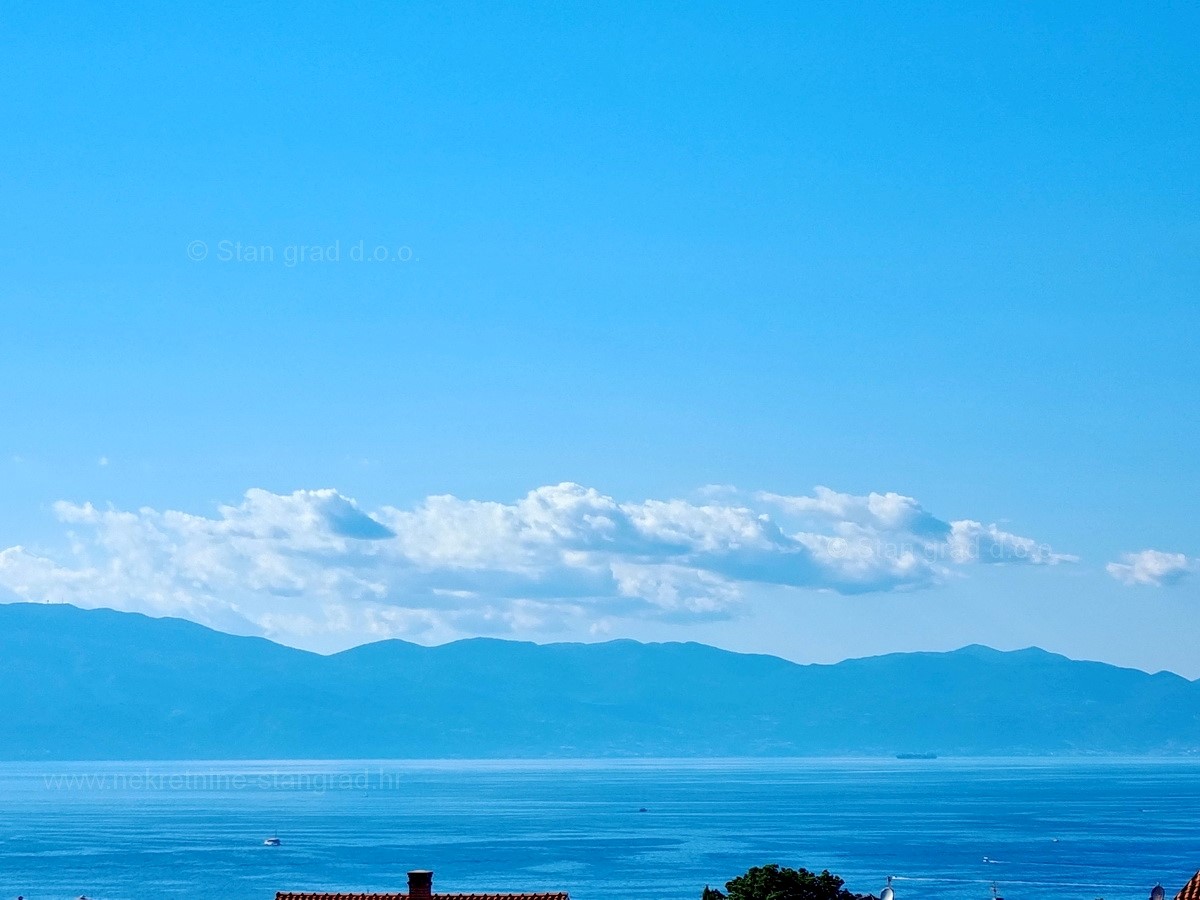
98	684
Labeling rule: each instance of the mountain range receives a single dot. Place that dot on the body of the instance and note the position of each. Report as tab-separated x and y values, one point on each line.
97	684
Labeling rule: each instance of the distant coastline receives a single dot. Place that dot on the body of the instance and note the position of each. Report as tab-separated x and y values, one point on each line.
105	685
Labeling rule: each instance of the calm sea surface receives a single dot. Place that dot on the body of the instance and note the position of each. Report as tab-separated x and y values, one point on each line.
945	828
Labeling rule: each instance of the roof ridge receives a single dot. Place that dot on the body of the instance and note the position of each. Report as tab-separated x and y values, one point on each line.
342	895
1191	890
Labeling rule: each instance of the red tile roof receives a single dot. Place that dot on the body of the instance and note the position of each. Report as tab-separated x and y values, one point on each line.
290	895
1191	890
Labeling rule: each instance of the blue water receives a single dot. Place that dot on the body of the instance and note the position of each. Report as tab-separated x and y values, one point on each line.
174	830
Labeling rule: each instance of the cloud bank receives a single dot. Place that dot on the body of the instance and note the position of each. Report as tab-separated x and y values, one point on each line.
304	566
1151	567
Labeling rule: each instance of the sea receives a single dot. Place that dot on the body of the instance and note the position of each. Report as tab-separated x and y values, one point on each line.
598	829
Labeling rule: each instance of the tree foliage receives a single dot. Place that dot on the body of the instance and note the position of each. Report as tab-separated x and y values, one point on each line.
777	883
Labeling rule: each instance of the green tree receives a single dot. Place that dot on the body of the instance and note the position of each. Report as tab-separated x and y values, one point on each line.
776	883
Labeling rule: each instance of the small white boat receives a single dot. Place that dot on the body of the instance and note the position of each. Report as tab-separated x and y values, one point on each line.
271	842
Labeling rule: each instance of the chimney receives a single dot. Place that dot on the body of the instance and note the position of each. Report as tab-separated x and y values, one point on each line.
420	885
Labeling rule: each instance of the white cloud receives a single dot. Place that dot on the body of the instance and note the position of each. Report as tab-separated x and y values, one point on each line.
313	568
1151	567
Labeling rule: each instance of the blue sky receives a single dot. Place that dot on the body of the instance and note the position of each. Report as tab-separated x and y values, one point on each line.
947	252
